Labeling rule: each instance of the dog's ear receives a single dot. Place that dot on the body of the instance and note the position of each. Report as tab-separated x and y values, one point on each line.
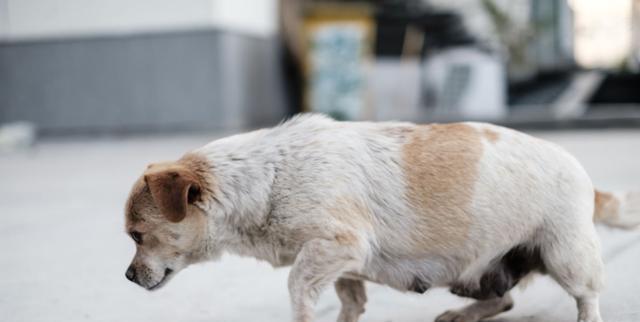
173	188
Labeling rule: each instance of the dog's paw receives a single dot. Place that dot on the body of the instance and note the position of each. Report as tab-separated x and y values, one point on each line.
589	318
455	316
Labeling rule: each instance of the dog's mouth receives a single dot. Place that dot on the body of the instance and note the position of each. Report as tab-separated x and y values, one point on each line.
165	278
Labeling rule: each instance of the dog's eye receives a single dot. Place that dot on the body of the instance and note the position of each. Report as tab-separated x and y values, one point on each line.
137	237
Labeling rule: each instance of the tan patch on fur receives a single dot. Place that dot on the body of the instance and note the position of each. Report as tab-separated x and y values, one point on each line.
440	167
346	239
352	215
351	212
200	166
491	135
607	206
140	203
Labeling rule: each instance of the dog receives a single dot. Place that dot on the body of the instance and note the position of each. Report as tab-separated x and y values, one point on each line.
473	207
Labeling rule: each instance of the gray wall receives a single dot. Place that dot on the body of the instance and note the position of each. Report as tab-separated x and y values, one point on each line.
194	80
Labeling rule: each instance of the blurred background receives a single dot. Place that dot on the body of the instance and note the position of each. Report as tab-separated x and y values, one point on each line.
91	91
89	66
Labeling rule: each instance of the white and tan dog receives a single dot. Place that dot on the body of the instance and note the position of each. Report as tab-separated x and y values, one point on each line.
469	206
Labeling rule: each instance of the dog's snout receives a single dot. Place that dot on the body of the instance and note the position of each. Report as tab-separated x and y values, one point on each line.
131	273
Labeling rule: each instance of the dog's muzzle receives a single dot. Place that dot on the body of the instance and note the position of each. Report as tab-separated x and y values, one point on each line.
131	274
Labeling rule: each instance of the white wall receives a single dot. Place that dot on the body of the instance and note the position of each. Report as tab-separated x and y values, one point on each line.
28	19
251	16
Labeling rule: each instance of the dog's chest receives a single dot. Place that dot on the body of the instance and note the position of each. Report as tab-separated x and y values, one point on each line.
273	251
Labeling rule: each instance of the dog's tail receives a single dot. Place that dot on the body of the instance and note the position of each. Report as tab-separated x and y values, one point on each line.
619	210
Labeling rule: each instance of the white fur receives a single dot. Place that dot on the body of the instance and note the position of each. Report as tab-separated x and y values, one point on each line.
274	188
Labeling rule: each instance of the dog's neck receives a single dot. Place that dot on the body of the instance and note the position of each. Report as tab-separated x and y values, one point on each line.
246	170
243	171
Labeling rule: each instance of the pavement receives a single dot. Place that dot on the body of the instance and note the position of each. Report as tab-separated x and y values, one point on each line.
63	251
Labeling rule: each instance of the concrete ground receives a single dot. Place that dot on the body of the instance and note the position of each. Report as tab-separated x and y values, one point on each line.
63	251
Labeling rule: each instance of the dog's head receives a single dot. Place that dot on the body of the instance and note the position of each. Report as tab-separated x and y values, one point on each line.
165	222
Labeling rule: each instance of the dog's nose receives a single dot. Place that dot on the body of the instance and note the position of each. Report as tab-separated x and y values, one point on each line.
131	274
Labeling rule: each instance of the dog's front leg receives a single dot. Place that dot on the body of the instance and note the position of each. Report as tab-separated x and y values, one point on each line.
320	263
353	297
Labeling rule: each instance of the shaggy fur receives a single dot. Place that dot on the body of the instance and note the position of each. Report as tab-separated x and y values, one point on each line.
469	206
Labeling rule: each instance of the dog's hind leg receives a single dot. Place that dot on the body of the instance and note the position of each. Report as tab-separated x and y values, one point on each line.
319	263
478	310
573	260
353	297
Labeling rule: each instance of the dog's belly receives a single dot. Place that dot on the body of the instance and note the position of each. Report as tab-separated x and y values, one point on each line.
480	280
415	275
